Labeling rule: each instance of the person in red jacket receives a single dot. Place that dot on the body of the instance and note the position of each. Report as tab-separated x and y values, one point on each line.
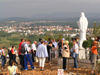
20	55
20	46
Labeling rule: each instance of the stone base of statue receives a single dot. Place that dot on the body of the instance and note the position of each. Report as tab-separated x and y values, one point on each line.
82	53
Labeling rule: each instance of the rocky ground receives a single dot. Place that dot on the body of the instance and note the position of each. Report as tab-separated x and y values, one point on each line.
84	69
50	70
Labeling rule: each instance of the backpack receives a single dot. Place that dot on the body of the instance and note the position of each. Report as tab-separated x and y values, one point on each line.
23	49
9	53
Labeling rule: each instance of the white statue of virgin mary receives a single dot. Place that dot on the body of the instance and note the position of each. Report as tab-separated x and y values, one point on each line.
82	24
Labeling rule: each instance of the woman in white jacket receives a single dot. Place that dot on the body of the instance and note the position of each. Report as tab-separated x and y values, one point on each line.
42	54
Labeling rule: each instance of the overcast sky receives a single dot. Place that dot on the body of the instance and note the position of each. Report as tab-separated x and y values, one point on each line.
28	8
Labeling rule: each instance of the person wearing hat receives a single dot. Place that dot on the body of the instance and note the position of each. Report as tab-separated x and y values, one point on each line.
94	55
65	53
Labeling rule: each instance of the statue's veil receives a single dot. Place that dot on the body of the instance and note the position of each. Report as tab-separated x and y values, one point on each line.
83	22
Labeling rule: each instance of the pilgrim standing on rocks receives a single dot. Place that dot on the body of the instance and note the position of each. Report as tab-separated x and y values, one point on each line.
42	54
65	53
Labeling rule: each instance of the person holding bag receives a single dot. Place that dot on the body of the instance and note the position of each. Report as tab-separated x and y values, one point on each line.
65	53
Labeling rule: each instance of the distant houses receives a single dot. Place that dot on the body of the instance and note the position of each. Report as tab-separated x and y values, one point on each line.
25	28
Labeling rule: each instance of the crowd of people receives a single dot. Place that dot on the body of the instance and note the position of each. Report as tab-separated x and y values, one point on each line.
40	52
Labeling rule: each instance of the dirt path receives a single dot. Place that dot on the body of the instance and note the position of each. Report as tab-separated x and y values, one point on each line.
50	70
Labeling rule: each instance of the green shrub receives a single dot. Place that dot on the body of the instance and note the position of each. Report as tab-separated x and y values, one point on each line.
70	45
91	42
86	44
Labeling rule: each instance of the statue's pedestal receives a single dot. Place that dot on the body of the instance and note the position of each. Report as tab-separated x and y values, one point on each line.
87	53
82	53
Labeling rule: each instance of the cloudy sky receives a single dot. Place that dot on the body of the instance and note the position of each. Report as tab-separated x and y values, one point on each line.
28	8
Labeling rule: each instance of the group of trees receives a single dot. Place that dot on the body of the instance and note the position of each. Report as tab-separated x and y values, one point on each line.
56	37
4	34
96	30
